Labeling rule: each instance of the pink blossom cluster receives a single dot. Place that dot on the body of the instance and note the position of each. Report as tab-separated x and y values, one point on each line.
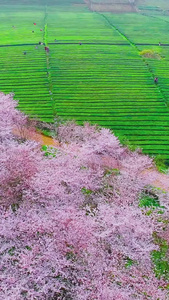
71	227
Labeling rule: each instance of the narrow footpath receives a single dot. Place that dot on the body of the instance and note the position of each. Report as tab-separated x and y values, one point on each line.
35	136
45	42
155	178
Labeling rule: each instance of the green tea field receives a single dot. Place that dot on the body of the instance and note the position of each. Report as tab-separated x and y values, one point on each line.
94	70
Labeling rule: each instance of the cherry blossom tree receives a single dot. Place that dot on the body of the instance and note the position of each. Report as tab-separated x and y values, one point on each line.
79	221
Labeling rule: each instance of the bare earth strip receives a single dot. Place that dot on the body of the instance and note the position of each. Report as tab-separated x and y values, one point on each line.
35	136
155	178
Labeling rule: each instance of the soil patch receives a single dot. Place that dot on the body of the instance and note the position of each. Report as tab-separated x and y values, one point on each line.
111	7
28	134
156	178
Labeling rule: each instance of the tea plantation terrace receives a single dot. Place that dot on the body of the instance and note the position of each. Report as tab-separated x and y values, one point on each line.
93	71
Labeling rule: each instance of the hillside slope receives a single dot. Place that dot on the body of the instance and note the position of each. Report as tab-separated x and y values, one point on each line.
93	71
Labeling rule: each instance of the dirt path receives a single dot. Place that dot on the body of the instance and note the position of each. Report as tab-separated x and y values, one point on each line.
48	141
35	136
157	179
154	177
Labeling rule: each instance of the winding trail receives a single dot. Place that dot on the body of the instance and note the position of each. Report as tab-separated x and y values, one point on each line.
157	179
154	177
35	136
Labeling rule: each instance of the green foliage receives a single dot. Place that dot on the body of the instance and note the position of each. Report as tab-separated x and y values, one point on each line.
147	201
49	151
110	171
129	262
14	207
161	164
24	293
86	191
149	53
70	255
125	142
164	221
83	168
149	198
149	212
46	132
160	258
12	251
28	248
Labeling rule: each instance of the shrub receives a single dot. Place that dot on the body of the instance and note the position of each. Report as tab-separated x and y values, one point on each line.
148	53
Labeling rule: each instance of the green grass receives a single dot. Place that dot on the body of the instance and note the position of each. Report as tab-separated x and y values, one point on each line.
110	87
160	258
82	26
22	20
147	201
160	68
26	76
140	28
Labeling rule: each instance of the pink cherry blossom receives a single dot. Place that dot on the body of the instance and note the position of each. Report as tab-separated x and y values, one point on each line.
71	226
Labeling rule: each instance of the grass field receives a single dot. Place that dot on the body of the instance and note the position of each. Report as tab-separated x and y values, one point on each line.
22	19
141	28
83	26
104	80
112	88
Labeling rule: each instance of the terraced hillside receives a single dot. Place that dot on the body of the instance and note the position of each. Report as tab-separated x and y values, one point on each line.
17	25
141	29
79	26
26	76
93	72
113	89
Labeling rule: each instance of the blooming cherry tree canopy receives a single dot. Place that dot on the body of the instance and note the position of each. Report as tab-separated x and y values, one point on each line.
78	221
